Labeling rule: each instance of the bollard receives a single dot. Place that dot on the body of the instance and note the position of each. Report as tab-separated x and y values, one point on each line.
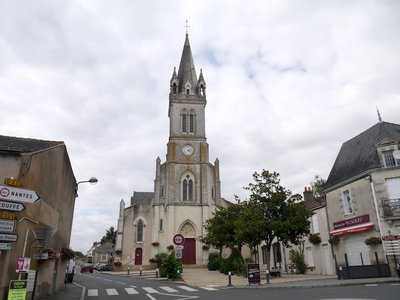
229	279
156	273
140	272
178	274
128	270
267	276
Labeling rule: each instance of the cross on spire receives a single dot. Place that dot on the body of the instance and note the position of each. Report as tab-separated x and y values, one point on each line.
187	26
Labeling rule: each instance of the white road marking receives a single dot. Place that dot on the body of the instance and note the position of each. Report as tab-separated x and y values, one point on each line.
187	288
395	284
168	289
208	288
92	292
150	290
131	291
151	297
112	292
371	284
119	282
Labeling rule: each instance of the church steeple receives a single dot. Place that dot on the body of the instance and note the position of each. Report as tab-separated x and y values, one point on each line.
187	78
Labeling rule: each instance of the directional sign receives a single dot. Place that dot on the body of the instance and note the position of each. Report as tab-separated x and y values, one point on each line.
5	246
8	237
17	194
11	206
7	225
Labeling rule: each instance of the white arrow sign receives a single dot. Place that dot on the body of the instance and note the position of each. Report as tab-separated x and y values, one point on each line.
11	206
18	194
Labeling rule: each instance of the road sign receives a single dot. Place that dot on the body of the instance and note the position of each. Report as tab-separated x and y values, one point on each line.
7	225
178	239
8	237
5	246
11	206
17	194
12	181
7	215
178	252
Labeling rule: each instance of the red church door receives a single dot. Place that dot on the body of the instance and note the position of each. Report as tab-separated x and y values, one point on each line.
189	252
138	256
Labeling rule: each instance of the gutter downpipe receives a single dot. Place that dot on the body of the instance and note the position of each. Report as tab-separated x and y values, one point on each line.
377	212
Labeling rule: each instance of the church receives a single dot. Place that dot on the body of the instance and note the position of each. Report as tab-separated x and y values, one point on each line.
187	187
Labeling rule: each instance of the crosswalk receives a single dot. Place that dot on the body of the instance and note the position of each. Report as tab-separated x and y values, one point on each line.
133	290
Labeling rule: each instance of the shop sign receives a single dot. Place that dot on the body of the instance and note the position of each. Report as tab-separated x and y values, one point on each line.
17	290
351	222
253	273
391	237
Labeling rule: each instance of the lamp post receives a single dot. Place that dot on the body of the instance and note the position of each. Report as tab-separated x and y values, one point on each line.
92	180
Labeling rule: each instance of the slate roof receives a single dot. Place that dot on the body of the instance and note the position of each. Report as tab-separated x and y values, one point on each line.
359	154
140	197
25	145
187	71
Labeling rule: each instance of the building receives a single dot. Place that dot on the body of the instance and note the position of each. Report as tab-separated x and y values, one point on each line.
363	199
43	227
187	187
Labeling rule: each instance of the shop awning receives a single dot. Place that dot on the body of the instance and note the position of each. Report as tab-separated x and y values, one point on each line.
352	229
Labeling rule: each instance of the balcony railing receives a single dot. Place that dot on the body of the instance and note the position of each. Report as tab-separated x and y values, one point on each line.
391	208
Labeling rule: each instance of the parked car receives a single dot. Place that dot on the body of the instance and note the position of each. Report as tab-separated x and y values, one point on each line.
103	267
87	268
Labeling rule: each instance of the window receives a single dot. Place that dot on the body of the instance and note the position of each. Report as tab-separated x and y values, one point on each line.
162	191
314	222
184	122
264	254
191	122
103	257
174	88
347	203
161	224
139	231
309	257
389	159
187	188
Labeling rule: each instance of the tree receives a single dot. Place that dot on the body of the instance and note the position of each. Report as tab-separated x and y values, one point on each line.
317	186
110	236
284	216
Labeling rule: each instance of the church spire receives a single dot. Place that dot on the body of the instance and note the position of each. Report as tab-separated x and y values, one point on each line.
187	77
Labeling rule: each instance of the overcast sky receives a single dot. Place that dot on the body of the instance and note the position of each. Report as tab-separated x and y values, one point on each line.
287	83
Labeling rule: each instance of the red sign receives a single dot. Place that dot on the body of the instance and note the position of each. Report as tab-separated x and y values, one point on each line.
178	239
352	230
391	238
20	264
351	222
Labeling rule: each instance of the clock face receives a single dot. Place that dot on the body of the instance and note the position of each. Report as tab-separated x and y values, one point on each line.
188	150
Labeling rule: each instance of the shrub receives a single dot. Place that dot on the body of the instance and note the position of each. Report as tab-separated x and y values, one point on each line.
170	266
234	263
160	258
214	261
297	257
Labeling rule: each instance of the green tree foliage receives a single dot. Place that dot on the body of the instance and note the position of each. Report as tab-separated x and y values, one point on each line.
317	186
284	215
170	267
110	236
214	261
221	228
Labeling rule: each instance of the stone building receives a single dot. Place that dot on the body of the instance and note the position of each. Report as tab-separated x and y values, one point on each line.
363	199
187	187
44	168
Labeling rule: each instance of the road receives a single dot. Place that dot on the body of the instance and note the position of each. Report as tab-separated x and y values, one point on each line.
101	286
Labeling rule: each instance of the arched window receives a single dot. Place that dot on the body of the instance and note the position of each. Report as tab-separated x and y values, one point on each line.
184	121
187	188
139	231
191	122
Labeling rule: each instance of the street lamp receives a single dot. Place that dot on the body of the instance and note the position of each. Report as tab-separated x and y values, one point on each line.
92	180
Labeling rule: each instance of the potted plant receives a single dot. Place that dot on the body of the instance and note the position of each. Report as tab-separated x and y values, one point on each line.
118	251
155	244
170	247
153	260
67	254
334	240
117	263
206	247
314	239
373	241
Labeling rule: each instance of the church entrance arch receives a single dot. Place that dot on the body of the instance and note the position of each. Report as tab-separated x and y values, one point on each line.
138	256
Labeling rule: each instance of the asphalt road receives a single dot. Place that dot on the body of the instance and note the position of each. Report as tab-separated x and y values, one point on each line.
109	287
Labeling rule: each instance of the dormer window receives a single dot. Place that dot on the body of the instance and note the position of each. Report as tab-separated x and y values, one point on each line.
389	159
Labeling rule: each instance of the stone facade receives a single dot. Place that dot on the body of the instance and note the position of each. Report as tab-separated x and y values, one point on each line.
187	187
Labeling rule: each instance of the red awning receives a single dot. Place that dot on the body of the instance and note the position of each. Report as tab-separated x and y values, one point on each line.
352	229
